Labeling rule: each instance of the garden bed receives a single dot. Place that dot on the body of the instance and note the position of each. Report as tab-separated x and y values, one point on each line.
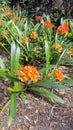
36	114
36	71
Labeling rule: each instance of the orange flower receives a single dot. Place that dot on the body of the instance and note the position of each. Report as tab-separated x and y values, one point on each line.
24	40
1	9
63	29
28	73
58	47
66	25
16	18
48	24
4	33
1	22
69	52
38	18
33	35
7	14
59	75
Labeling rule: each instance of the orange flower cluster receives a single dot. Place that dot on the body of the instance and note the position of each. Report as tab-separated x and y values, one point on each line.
63	29
69	52
24	40
38	18
48	24
1	21
16	18
7	14
28	73
34	35
1	9
58	47
59	75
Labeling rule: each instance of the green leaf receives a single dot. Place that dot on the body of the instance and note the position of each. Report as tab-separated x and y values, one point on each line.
46	94
11	89
36	27
50	84
70	82
10	121
15	53
23	96
5	105
61	56
17	58
12	110
1	63
26	28
47	53
13	50
16	88
6	75
44	68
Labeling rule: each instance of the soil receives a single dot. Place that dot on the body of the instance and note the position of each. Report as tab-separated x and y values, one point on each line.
35	113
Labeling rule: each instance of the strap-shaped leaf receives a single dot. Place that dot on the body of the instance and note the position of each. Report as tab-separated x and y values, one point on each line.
1	63
47	53
70	82
15	53
12	110
50	84
16	88
46	94
46	68
6	75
